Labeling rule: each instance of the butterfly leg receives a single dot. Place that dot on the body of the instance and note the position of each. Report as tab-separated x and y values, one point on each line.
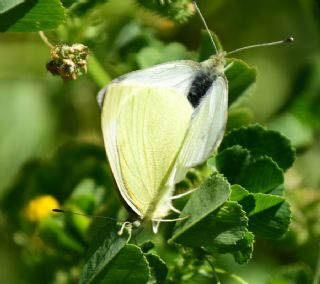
175	209
183	194
228	66
124	225
156	222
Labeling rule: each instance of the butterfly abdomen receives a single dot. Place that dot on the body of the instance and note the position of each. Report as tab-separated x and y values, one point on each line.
200	85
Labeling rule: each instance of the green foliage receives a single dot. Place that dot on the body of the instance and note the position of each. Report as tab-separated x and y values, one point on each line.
6	5
31	16
241	77
177	10
80	7
54	234
258	154
239	205
260	143
104	248
159	270
292	274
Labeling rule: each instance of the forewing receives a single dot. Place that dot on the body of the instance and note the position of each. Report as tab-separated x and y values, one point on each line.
176	74
143	137
206	128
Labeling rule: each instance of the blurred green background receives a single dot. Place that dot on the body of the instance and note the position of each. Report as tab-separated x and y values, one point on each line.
50	130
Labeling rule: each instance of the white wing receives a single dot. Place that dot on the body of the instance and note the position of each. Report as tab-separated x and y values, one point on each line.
177	74
143	141
206	129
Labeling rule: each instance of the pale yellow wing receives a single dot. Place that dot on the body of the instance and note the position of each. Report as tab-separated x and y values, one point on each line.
143	135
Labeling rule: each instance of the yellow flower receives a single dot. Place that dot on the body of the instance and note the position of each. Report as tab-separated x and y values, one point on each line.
40	207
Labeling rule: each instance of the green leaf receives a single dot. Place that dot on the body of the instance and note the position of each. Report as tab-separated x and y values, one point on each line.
206	48
77	224
238	117
222	228
269	215
53	233
261	175
32	16
128	266
6	5
298	273
178	11
261	142
242	250
299	133
240	77
227	159
104	248
238	192
149	56
255	175
206	199
80	7
159	270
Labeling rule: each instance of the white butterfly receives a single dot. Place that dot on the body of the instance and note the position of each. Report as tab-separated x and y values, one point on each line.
160	121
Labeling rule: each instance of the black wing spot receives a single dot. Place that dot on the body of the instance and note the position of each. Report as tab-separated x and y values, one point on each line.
199	86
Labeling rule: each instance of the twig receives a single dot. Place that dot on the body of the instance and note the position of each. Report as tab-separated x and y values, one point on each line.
45	40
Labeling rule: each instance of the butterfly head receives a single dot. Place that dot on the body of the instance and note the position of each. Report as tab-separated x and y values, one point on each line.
216	63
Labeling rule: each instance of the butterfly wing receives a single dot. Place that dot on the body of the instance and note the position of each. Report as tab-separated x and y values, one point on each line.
206	128
177	74
144	129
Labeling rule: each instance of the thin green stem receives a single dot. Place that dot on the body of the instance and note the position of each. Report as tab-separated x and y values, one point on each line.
97	72
213	270
316	279
231	275
45	39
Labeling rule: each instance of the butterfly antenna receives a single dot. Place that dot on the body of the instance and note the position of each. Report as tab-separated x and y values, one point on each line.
287	40
81	214
205	25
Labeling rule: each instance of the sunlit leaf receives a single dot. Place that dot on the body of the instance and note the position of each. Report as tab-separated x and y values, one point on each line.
128	266
256	175
261	142
6	5
206	199
269	215
32	16
179	11
240	77
222	228
104	248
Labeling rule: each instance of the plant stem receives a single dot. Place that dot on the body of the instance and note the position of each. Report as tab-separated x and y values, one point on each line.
231	275
97	72
45	40
316	279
